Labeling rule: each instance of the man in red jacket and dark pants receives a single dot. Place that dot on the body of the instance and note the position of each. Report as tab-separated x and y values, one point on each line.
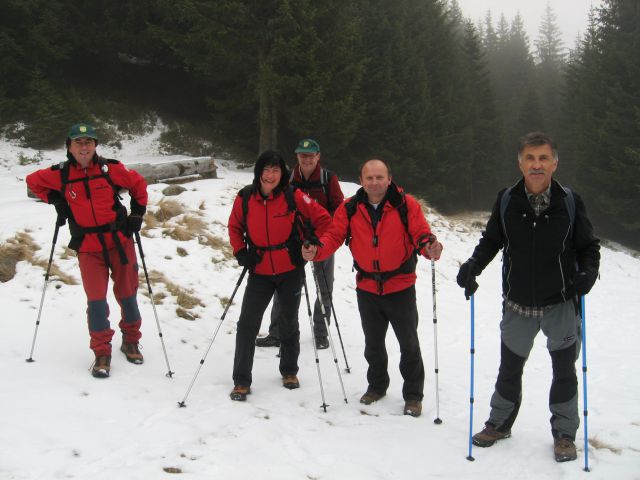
384	251
84	190
264	231
323	186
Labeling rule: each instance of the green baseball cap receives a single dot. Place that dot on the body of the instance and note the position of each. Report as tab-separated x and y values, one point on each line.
307	145
82	130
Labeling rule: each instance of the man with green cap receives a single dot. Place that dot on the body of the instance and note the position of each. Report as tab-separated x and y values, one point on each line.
322	185
84	191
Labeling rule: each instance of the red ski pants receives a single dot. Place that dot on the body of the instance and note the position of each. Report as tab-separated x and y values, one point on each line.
95	279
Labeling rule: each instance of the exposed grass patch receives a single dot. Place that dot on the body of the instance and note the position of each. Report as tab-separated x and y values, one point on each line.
184	297
182	313
27	160
22	248
167	209
600	445
181	252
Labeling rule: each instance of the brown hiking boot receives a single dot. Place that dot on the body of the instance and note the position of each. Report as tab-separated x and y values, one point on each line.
413	408
370	396
290	381
101	366
564	449
489	435
239	393
132	352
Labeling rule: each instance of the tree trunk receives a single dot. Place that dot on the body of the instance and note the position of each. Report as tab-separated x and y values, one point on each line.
268	114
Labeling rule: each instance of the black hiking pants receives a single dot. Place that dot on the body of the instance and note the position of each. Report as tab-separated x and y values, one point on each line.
257	295
376	313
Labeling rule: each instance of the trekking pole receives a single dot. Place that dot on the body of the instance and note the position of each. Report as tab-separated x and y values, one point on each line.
315	350
335	319
224	314
584	385
472	351
153	304
44	289
437	420
324	318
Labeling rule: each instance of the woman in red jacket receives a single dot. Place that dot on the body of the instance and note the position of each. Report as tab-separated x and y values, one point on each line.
266	232
384	231
84	190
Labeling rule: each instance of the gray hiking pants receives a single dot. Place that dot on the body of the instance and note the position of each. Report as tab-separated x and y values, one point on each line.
561	326
324	271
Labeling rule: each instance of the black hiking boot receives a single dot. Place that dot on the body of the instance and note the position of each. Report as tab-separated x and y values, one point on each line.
239	393
132	352
101	366
268	341
489	435
564	449
322	343
370	396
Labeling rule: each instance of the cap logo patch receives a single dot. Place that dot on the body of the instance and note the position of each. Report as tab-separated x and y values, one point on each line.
305	144
83	129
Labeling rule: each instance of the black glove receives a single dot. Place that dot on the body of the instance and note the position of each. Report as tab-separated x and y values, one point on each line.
56	199
134	224
248	258
467	277
583	282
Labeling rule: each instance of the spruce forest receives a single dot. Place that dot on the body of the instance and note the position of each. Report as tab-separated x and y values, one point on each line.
443	98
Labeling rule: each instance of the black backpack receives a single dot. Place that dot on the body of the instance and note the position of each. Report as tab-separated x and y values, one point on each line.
294	243
78	232
352	206
325	177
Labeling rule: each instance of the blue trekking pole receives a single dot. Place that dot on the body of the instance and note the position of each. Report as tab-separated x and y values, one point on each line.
584	385
470	457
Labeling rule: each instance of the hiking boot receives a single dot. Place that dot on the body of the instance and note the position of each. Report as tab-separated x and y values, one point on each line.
101	366
239	393
564	449
290	381
413	408
268	341
370	396
322	343
489	435
132	352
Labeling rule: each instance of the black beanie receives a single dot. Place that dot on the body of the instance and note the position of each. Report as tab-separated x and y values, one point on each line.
271	158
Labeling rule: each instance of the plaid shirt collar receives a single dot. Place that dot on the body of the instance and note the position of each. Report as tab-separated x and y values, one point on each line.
539	202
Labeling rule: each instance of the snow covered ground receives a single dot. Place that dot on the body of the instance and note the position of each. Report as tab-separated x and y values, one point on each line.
57	422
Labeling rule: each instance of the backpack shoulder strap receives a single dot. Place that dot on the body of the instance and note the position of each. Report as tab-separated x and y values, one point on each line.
291	201
570	202
504	202
351	206
325	176
245	194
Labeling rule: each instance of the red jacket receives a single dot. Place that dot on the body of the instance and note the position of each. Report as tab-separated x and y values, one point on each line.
99	208
394	246
269	223
313	187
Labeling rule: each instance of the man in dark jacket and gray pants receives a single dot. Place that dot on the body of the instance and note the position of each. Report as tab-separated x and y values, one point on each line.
550	259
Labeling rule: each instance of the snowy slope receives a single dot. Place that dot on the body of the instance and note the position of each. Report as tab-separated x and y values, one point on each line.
56	421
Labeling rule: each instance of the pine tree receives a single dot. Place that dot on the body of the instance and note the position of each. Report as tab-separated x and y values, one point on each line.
550	70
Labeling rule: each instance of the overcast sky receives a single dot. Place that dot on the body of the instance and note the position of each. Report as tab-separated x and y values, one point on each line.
571	15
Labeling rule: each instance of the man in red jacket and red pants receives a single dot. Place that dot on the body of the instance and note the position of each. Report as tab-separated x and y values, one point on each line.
384	253
84	190
265	235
